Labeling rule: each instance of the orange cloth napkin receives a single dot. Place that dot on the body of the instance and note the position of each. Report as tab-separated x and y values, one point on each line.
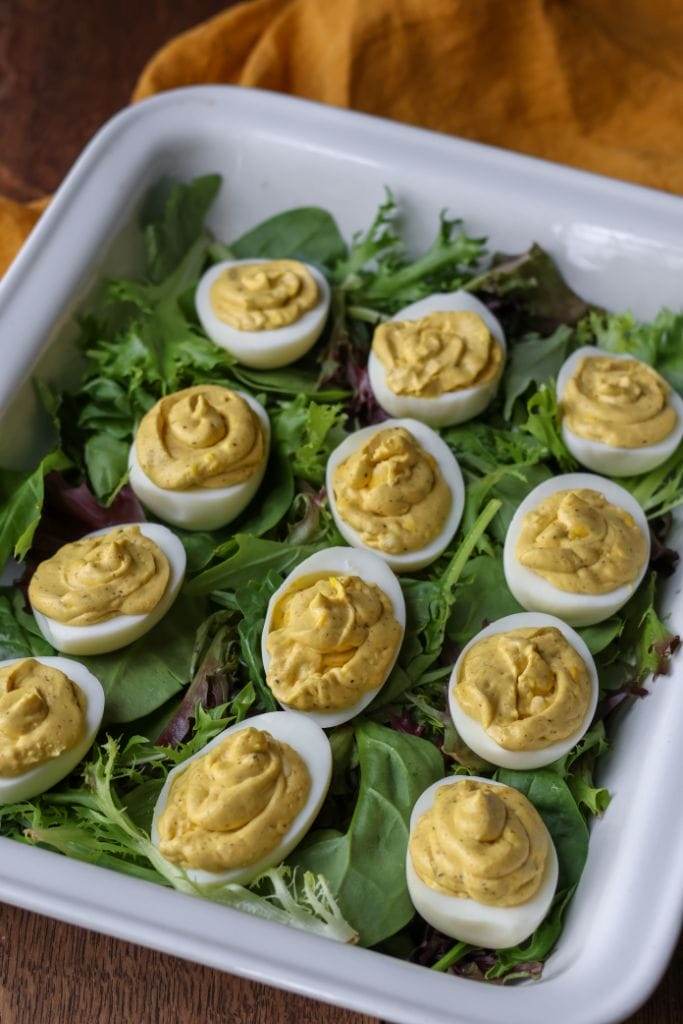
593	83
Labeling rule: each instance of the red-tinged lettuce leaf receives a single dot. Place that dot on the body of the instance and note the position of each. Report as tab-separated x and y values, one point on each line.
663	559
214	666
70	512
528	293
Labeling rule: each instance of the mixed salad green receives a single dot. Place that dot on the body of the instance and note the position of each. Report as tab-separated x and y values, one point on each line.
200	669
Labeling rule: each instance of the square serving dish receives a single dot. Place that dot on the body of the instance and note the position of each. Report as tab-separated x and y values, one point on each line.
618	245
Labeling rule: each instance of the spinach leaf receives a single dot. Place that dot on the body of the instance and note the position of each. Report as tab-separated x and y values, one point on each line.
199	545
290	380
19	634
365	866
307	233
553	800
274	496
20	513
141	677
247	558
597	638
534	360
482	597
172	219
106	459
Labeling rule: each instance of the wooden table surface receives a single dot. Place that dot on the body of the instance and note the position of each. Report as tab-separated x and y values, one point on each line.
65	67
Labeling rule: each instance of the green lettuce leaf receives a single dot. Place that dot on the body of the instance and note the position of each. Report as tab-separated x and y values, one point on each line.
534	361
378	275
172	219
307	433
368	881
246	558
19	634
658	342
21	511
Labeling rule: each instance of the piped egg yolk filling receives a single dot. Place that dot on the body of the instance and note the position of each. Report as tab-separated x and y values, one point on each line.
231	807
392	492
481	842
437	354
42	715
202	437
263	296
332	639
619	402
528	688
97	578
581	543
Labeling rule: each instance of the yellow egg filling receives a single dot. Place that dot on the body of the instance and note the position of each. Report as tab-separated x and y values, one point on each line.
481	842
392	492
263	296
42	715
332	639
619	402
581	543
437	354
95	579
202	437
231	807
528	688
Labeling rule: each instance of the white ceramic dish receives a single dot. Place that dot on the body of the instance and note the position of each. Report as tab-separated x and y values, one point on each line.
617	244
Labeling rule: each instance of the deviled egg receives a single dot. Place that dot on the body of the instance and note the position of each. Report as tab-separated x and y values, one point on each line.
524	691
104	591
50	712
619	416
577	547
266	313
332	634
396	489
199	456
242	804
439	360
481	865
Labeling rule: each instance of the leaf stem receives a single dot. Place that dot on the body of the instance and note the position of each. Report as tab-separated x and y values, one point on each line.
456	953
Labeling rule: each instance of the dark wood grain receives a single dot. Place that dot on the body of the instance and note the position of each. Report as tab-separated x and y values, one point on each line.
65	67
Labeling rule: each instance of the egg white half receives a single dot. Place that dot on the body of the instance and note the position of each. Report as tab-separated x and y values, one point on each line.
448	464
200	508
311	744
534	592
473	732
264	350
453	406
606	458
44	776
102	637
467	920
341	562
